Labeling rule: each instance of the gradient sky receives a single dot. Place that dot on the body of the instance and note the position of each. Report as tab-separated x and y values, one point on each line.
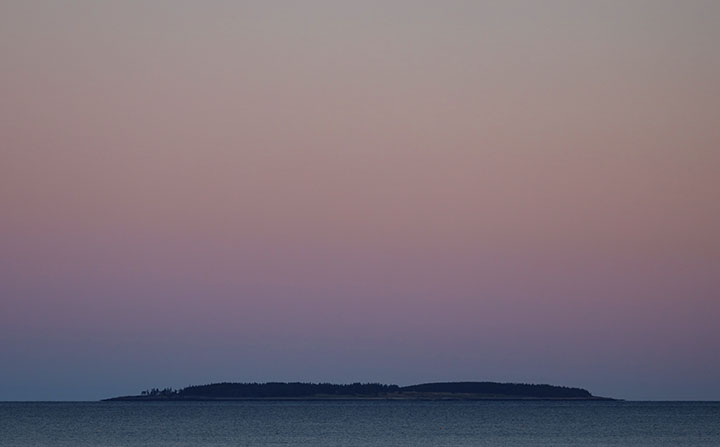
394	191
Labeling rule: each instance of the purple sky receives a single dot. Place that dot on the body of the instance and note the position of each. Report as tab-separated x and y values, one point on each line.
394	191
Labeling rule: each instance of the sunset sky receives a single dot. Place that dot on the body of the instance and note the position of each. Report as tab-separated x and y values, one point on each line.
394	191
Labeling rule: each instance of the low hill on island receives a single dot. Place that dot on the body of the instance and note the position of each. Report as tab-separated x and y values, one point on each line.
364	391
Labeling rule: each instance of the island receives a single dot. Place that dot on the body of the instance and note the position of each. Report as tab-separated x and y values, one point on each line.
364	391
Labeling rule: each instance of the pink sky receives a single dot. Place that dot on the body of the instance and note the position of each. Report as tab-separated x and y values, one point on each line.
398	191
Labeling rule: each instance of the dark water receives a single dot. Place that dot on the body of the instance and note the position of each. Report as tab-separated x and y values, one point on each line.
385	424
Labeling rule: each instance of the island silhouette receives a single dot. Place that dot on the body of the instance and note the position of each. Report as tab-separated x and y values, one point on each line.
364	391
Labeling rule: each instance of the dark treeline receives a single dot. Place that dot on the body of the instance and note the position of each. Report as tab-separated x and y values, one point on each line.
155	392
283	389
500	389
228	390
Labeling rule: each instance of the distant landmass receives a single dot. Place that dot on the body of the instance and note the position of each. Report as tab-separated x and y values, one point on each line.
364	391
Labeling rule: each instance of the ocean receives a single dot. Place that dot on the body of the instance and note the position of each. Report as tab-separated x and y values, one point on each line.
359	423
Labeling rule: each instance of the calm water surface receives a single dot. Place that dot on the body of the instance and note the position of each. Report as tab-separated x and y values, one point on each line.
506	424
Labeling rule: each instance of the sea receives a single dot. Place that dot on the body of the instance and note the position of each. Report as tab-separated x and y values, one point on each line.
359	423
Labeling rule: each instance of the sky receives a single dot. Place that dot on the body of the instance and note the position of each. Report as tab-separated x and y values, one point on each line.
379	191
